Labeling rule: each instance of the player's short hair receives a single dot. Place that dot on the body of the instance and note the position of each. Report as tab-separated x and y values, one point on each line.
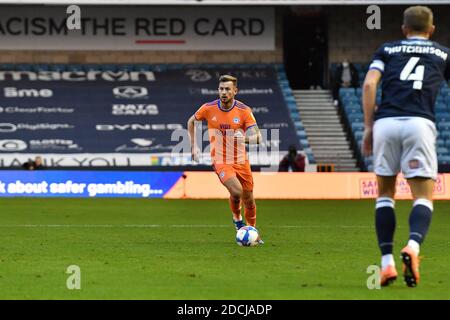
227	77
418	18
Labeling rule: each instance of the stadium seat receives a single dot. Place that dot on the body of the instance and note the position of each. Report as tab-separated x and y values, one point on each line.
75	67
24	67
299	125
7	66
57	67
440	107
304	143
355	117
443	125
358	92
357	126
442	116
444	160
445	134
142	67
350	100
353	108
358	135
345	92
440	99
41	67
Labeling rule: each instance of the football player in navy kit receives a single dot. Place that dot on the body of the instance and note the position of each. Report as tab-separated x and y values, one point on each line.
402	133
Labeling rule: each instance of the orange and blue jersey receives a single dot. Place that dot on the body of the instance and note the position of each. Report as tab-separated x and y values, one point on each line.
227	129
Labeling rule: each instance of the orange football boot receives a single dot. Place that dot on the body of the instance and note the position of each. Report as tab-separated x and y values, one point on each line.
410	266
388	276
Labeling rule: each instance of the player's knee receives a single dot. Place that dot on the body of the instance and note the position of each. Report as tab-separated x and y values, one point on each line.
236	194
386	190
248	200
250	204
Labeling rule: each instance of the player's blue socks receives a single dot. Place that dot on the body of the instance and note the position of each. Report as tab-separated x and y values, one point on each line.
239	224
385	224
420	219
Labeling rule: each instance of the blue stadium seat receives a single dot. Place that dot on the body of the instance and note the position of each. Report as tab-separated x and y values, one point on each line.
24	67
378	100
295	116
355	117
444	160
75	67
301	134
345	92
442	116
141	67
357	126
440	99
7	66
358	66
41	67
444	134
346	100
125	67
350	110
445	90
440	107
92	67
299	125
358	92
304	143
358	135
443	125
57	67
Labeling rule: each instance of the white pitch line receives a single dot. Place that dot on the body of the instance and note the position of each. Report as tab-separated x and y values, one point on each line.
171	226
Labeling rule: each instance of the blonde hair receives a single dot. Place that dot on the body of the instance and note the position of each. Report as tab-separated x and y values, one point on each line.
227	77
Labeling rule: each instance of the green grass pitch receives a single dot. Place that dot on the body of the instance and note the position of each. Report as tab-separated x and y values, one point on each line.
185	249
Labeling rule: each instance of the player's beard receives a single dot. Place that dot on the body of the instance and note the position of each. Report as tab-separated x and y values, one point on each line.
225	100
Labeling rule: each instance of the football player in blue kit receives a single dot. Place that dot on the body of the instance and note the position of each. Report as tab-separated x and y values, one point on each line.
401	133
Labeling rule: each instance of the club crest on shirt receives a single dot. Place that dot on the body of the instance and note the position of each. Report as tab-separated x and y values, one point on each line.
236	120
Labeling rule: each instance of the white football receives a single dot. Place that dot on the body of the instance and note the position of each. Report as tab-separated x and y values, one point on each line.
247	236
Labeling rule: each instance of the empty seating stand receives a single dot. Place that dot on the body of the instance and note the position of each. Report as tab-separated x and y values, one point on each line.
351	102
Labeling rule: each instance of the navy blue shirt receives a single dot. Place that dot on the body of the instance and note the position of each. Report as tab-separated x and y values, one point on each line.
413	71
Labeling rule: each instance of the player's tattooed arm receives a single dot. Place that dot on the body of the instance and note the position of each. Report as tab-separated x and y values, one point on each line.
369	103
253	135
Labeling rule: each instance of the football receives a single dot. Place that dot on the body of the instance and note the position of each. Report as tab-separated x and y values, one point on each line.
247	236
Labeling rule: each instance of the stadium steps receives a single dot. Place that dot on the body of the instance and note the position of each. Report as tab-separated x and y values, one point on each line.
326	135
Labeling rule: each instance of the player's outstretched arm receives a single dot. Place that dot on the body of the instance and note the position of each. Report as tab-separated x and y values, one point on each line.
369	101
